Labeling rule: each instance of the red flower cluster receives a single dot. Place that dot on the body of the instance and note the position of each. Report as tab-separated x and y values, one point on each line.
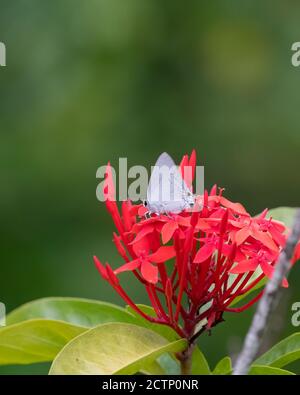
193	265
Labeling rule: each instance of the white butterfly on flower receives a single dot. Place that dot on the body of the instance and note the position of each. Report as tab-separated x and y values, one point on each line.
167	191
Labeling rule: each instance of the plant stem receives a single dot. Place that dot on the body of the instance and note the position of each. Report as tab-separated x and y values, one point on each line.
185	359
267	303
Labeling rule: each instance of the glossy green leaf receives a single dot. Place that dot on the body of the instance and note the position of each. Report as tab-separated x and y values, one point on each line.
38	330
283	353
223	367
167	362
35	340
115	348
268	370
199	362
163	330
83	312
154	368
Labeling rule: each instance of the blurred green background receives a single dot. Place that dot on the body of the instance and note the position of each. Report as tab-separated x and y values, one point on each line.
92	81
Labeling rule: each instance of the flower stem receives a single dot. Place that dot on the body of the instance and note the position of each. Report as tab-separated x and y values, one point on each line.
185	359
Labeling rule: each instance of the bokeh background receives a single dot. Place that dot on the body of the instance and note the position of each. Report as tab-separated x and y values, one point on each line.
92	81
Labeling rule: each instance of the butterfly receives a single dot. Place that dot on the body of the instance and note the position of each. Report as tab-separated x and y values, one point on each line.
167	191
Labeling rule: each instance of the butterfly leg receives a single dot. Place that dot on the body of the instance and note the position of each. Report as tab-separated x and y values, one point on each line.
165	211
169	215
147	215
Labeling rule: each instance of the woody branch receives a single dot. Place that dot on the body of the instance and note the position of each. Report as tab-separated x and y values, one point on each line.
267	303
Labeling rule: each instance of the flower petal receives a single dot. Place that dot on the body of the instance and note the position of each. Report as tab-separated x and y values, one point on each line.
134	209
149	272
143	232
278	237
248	265
132	265
141	247
168	230
269	270
142	210
236	207
265	239
162	254
204	253
241	235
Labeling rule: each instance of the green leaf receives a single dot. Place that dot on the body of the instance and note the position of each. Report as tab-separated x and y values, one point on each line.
82	312
38	330
35	340
268	370
283	353
283	214
153	368
199	363
163	330
167	362
223	367
115	348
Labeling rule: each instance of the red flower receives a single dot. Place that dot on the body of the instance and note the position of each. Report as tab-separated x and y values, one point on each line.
206	258
145	260
263	259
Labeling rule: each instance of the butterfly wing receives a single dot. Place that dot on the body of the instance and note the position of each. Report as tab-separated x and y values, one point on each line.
167	191
163	161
